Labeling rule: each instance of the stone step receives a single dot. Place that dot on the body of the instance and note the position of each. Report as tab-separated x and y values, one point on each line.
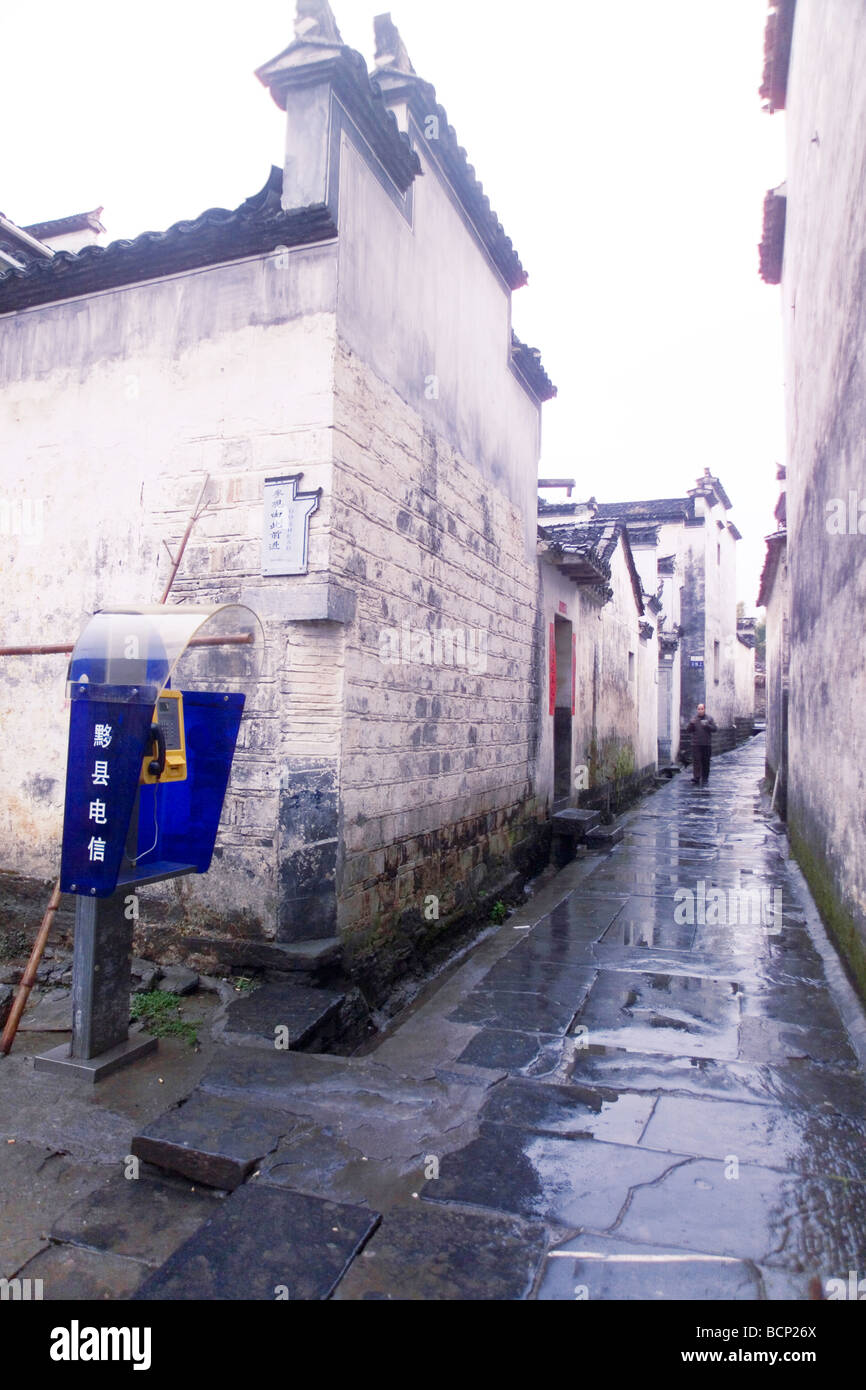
604	837
575	822
285	1015
283	1081
237	953
266	1243
211	1139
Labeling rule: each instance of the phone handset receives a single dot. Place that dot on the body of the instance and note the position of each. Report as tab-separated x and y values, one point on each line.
156	766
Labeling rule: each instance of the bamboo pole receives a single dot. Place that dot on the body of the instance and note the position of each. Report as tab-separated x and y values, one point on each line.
197	511
235	639
29	977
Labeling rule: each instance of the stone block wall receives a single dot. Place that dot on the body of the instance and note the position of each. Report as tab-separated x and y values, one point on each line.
823	299
441	724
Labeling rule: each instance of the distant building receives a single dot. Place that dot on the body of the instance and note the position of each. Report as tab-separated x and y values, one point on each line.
774	597
24	246
744	673
599	741
685	551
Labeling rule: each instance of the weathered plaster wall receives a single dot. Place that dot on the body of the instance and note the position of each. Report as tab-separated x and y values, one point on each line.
744	669
607	732
708	612
647	656
669	689
777	658
113	408
722	616
648	697
560	598
824	309
424	307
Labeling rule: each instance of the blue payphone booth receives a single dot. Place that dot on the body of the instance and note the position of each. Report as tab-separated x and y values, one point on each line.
156	699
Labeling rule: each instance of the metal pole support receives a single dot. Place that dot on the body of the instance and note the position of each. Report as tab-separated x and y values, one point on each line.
100	994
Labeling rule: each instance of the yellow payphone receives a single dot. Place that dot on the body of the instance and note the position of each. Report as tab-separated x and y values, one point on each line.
166	761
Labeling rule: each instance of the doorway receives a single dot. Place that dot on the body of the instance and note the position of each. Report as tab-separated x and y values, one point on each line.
665	694
563	714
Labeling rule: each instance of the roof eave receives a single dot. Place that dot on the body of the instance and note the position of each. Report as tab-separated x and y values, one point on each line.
215	237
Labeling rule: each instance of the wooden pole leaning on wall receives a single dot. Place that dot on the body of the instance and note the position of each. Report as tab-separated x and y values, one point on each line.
28	979
232	639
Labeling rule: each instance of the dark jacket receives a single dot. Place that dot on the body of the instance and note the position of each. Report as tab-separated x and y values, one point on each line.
701	729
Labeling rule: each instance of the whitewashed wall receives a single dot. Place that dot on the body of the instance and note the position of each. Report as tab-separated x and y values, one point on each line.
113	409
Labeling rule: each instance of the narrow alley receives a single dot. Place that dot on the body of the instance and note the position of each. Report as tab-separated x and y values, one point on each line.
614	1096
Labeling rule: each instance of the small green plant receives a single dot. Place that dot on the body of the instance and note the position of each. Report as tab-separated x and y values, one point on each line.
243	984
160	1013
498	912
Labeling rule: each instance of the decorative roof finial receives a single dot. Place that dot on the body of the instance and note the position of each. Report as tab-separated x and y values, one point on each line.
315	20
390	48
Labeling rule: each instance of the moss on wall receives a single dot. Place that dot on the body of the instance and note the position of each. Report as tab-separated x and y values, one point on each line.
840	922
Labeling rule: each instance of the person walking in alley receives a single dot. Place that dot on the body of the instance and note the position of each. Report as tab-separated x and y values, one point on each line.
701	728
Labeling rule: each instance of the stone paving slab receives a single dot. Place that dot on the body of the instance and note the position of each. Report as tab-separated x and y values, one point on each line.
556	948
642	923
665	961
582	915
800	1085
519	971
792	1003
71	1272
664	1013
381	1113
592	1267
274	1078
569	1111
301	1011
572	1182
822	1145
526	1054
766	1040
52	1013
806	1225
36	1185
211	1140
434	1254
323	1162
265	1243
142	1218
523	1012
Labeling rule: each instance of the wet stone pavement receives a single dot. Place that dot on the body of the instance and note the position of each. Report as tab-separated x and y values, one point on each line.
699	1120
627	1092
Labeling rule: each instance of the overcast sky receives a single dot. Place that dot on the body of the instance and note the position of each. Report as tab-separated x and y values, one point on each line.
621	143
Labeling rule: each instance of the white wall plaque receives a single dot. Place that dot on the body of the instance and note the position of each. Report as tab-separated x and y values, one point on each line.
286	530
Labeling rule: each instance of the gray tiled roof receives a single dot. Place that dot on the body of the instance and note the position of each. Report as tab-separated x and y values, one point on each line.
259	224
